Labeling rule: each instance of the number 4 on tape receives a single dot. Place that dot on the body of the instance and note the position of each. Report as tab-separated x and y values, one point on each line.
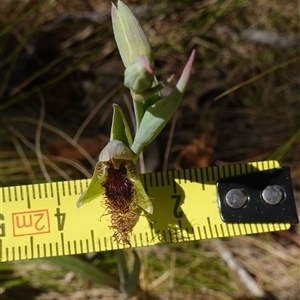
42	220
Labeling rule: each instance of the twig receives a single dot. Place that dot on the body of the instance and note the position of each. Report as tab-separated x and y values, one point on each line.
243	275
262	74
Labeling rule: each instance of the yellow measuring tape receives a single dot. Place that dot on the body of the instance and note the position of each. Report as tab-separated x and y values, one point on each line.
42	220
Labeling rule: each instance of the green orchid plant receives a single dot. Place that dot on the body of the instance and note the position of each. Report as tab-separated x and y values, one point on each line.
115	180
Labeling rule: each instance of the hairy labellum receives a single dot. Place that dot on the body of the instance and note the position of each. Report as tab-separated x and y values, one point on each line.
119	200
117	186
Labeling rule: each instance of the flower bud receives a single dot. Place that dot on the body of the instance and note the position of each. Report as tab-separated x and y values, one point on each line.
139	75
129	35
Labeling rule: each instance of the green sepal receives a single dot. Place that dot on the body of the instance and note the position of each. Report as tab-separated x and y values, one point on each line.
120	35
143	199
138	41
94	189
120	129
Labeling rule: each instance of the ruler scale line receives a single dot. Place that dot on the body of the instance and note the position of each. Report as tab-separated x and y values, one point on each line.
150	180
93	241
32	247
62	243
201	179
16	194
75	247
209	227
27	197
87	245
156	179
222	230
205	233
57	249
1	250
162	179
81	246
216	230
174	182
99	245
69	248
41	220
184	176
50	249
7	253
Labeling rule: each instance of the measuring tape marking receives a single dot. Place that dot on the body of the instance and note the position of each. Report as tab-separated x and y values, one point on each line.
176	193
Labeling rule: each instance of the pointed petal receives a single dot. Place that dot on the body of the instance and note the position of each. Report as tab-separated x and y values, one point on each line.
120	36
184	78
93	191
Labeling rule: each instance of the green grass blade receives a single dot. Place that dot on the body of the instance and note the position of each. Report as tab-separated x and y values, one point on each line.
73	263
18	20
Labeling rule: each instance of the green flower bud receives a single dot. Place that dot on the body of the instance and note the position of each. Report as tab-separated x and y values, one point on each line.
139	75
129	35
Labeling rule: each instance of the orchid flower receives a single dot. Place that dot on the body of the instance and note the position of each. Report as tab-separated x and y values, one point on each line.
115	180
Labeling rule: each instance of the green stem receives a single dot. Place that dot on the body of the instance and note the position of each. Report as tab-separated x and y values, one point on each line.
122	267
138	111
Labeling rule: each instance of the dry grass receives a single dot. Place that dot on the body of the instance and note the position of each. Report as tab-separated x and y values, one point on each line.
63	57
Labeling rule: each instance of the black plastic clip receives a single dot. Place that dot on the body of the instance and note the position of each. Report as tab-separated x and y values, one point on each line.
259	197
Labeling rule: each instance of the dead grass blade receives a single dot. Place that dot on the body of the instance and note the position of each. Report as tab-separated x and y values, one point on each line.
262	74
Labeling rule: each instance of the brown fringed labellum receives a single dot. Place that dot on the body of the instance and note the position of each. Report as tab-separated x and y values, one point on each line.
120	201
